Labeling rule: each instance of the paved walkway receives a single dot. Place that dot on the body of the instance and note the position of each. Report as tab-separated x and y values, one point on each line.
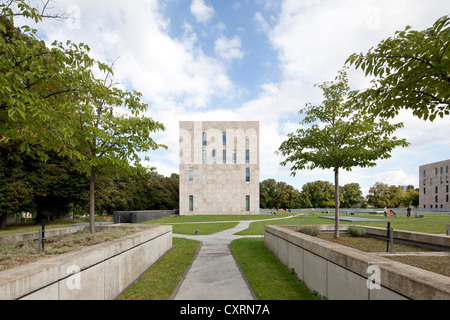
214	274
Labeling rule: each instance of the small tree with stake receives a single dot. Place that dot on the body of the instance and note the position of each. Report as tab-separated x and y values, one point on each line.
337	135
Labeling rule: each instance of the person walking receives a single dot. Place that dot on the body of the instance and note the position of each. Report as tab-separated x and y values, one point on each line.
408	212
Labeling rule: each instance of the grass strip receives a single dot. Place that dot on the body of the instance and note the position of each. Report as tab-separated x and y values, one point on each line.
267	276
202	228
213	218
161	279
430	223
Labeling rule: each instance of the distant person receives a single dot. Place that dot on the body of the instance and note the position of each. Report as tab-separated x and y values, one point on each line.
408	212
385	211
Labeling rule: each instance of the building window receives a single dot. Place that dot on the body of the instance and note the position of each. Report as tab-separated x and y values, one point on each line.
224	156
247	174
424	190
234	156
446	169
424	181
436	189
436	171
204	156
204	138
431	180
191	203
224	138
424	173
247	203
214	156
442	170
191	174
247	156
436	199
446	198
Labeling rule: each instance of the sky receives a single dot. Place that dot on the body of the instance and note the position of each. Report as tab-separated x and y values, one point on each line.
251	60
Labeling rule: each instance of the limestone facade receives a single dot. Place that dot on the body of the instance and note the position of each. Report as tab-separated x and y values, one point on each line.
434	185
219	167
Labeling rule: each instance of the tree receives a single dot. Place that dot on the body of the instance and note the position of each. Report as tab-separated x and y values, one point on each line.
27	184
267	193
40	87
138	191
411	70
317	194
351	195
411	197
383	195
111	133
51	97
275	194
335	135
16	195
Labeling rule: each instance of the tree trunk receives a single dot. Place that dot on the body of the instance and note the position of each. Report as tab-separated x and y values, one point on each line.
3	221
92	202
336	202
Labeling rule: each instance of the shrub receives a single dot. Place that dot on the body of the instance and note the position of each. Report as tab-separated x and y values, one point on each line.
310	230
355	231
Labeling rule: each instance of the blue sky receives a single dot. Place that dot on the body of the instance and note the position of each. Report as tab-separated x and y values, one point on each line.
255	60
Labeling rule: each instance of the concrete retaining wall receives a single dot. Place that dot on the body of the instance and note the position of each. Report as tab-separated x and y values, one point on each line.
34	235
141	216
99	272
339	272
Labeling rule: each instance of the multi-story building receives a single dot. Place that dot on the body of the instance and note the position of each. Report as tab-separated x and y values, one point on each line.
434	185
219	167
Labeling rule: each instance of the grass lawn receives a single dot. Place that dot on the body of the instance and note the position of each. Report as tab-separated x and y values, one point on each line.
268	277
214	218
161	279
202	228
431	223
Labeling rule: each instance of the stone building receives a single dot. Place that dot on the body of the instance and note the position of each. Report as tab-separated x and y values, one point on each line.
219	167
434	185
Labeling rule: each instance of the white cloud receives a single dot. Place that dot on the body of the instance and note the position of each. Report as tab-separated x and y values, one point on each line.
312	39
201	11
165	69
228	49
261	22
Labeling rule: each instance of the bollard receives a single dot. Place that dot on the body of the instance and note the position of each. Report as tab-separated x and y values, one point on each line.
43	234
388	237
392	240
40	241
